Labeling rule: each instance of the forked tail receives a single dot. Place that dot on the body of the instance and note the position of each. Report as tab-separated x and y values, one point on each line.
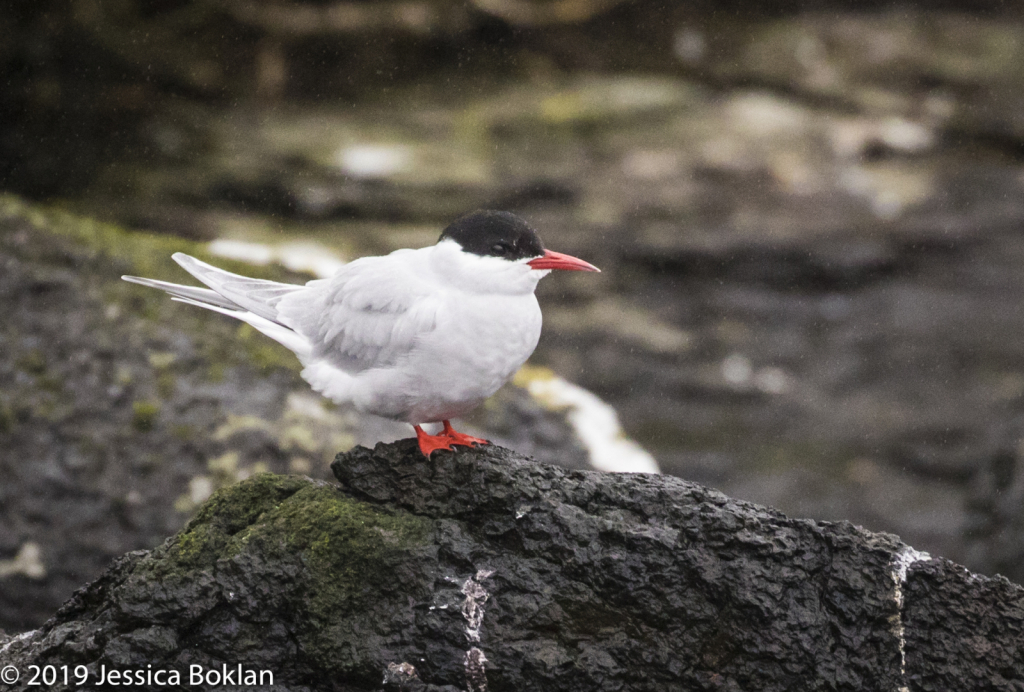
253	301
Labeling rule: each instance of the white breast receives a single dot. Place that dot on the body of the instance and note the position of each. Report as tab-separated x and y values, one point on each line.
478	346
468	323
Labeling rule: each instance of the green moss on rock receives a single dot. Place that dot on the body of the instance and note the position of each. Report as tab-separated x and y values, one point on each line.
334	554
342	542
33	362
144	415
263	352
228	511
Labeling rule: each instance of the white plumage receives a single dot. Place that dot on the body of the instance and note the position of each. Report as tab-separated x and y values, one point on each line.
419	336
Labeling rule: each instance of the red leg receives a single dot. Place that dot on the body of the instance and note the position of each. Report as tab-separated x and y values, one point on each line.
431	443
458	438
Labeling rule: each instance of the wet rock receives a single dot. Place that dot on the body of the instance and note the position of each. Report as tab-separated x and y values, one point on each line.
485	570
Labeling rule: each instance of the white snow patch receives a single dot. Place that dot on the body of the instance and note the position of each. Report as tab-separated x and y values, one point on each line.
737	369
200	489
907	136
310	257
772	380
689	45
309	406
242	250
595	422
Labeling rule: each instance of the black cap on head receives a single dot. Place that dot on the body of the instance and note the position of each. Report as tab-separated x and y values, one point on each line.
494	234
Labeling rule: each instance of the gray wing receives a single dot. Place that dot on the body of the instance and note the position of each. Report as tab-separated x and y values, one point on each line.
368	315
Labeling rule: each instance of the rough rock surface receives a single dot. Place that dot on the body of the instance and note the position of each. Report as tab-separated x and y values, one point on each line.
485	570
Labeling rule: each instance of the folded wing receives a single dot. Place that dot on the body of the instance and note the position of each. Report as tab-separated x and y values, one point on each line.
368	315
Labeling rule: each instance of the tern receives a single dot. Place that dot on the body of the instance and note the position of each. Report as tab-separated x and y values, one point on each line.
420	336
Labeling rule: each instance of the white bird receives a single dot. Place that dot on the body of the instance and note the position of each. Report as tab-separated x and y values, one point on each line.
420	336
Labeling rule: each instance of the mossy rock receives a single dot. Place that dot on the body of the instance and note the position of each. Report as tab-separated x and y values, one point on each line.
269	555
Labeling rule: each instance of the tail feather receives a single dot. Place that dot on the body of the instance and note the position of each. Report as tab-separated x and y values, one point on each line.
258	296
291	340
253	301
203	297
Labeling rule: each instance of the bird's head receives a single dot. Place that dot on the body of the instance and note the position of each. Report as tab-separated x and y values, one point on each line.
503	247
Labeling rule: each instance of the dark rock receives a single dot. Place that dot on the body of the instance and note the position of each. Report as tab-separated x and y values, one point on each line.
485	570
957	626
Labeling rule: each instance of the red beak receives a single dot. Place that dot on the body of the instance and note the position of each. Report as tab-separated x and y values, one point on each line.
556	260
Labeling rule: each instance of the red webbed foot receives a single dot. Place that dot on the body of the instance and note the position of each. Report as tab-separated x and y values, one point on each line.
446	440
431	443
458	438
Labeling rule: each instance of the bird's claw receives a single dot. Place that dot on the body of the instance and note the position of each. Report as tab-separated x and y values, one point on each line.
458	438
445	440
432	443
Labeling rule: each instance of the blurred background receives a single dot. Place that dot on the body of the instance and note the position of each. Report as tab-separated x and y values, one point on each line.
810	218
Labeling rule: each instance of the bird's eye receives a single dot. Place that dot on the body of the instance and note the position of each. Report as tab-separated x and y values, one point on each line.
500	248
